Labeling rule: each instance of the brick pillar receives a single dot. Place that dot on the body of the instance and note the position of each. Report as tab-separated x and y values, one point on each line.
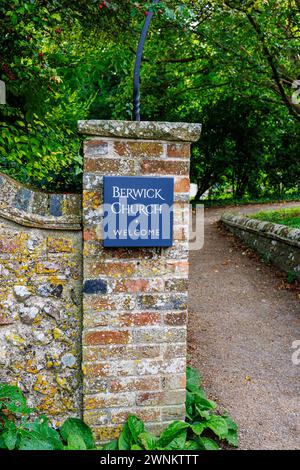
135	299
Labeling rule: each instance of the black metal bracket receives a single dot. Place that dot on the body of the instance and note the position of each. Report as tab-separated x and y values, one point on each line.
138	62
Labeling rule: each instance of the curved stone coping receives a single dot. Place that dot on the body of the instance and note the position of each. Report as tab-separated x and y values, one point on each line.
278	232
32	208
170	131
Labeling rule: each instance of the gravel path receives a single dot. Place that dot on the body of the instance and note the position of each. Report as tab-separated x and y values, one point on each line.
241	329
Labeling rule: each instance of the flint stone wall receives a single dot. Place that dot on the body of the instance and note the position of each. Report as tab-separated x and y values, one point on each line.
40	297
278	244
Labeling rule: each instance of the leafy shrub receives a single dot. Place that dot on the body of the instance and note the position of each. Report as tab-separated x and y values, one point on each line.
292	276
203	416
229	201
202	430
18	431
46	93
40	153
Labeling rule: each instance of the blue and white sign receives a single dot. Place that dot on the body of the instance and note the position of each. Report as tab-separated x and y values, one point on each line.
138	211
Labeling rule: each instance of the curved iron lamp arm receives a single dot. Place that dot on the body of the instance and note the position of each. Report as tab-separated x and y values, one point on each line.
137	66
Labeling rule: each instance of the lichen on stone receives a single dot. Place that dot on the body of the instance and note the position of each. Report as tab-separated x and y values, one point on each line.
169	131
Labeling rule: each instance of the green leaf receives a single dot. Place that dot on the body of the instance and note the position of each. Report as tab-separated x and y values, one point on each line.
193	378
2	443
136	427
125	438
232	438
41	426
75	442
178	443
192	445
32	440
204	403
74	426
136	447
170	14
198	428
174	430
148	441
231	424
208	444
198	393
203	413
12	398
189	411
40	430
10	438
218	425
113	445
232	435
56	16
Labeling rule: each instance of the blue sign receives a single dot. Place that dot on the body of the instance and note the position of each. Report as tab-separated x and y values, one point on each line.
138	211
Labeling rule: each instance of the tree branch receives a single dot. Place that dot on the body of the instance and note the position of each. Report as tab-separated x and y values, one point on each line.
291	108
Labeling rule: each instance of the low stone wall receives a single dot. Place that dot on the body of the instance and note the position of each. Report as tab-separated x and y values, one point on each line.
278	244
40	297
32	208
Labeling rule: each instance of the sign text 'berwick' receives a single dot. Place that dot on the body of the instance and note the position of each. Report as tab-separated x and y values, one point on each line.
138	211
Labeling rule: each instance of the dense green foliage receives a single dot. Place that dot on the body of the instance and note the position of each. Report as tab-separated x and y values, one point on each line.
19	430
289	217
228	200
229	64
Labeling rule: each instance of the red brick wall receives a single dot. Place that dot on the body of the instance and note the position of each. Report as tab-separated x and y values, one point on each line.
135	300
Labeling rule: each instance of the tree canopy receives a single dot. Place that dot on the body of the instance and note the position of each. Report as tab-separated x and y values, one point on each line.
232	65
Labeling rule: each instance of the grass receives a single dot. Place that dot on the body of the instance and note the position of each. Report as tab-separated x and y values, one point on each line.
289	217
229	201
